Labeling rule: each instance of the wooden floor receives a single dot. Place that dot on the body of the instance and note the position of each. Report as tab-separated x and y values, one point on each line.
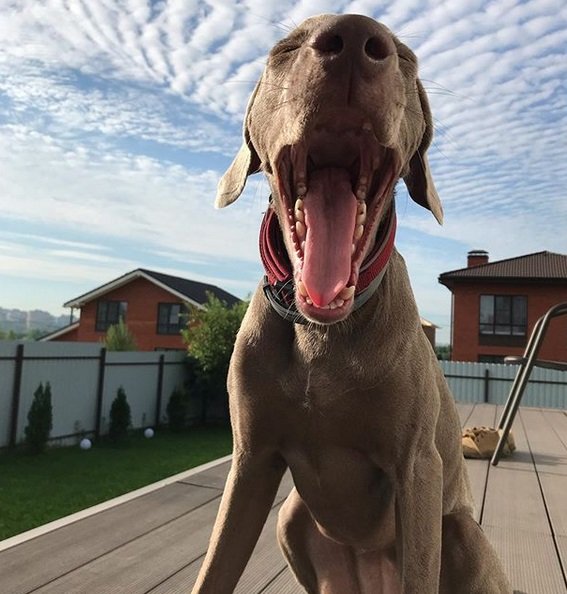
155	543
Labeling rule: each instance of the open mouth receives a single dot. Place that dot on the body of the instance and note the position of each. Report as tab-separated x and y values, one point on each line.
334	189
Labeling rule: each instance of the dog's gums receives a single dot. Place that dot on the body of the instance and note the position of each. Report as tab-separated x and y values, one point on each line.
348	173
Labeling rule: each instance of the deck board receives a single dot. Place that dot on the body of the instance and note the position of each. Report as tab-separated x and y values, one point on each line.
154	544
481	414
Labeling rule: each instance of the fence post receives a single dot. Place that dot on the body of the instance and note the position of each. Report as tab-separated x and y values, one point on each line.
159	392
100	391
486	385
16	391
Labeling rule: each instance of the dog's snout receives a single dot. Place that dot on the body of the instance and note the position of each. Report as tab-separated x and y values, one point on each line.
352	37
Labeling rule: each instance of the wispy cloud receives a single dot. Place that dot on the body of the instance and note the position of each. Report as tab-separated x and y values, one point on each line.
117	118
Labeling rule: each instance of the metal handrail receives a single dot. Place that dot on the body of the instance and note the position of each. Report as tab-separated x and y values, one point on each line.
527	363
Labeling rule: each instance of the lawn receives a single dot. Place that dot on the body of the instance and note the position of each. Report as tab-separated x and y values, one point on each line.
35	490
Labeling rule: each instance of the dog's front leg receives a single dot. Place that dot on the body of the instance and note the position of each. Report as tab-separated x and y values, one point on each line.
248	495
419	502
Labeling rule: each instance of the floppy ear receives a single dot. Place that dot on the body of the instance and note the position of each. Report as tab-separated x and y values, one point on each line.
245	163
419	181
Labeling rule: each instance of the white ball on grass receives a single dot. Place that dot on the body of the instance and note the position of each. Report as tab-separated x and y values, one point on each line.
149	432
85	444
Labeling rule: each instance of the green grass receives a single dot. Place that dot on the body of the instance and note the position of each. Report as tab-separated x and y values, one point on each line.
35	490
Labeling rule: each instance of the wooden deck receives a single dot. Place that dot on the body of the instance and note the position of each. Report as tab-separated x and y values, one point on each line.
155	543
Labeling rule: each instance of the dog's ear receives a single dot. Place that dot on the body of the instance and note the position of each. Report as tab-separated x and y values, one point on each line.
245	163
419	181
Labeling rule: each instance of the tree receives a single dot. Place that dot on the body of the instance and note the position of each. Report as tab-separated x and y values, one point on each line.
120	417
40	419
119	338
210	337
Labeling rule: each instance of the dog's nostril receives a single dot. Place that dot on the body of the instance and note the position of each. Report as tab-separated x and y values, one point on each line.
328	43
377	48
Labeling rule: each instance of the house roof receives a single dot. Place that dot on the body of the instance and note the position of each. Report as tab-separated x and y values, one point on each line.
539	266
187	290
59	332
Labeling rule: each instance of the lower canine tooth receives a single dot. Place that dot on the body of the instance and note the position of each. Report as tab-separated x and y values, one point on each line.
347	292
301	288
309	302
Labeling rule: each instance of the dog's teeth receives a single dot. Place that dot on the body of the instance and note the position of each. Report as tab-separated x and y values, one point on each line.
301	189
303	246
300	229
301	288
361	209
358	232
363	180
361	193
361	219
347	292
367	127
299	215
339	302
353	249
332	305
309	302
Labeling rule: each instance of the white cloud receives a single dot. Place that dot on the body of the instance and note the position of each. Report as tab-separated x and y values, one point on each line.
118	116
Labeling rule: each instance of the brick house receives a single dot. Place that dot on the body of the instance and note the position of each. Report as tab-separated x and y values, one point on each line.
151	304
496	304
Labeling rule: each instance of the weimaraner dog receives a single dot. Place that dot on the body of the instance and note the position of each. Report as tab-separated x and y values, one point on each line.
332	375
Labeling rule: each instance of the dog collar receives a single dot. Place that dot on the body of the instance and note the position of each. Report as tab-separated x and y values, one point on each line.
279	286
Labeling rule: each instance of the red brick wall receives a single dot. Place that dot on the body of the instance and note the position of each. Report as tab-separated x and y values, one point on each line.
466	310
142	297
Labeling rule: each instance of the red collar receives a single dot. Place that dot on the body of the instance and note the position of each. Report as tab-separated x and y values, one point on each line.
279	287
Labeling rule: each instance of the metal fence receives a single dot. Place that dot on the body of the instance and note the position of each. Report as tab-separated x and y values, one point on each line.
491	382
84	381
85	378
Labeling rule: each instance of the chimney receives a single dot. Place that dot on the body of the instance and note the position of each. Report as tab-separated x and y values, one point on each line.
477	258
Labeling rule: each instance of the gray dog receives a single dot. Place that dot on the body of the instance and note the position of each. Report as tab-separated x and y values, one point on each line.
332	375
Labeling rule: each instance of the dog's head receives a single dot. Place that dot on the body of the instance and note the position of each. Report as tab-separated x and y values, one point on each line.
337	118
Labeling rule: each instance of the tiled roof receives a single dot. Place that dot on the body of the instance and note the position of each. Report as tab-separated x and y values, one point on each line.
195	292
541	265
192	289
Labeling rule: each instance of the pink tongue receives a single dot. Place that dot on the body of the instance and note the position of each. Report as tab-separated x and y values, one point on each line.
330	215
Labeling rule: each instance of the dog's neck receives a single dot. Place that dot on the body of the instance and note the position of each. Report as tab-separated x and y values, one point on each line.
377	318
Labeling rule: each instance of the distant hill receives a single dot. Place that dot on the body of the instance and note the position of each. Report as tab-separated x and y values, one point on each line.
23	322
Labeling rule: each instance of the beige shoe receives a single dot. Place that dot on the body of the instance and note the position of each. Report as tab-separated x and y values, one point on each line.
480	442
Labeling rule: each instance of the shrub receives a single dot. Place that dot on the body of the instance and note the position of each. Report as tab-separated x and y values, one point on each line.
40	419
177	410
120	417
119	338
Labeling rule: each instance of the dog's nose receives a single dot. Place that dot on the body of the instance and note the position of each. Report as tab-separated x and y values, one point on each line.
352	37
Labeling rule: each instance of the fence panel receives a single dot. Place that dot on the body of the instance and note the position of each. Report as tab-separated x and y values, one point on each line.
72	370
491	382
7	372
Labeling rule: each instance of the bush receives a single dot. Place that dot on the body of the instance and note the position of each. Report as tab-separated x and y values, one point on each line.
40	419
177	410
119	338
120	417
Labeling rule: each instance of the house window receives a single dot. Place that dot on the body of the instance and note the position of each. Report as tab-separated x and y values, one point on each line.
109	313
172	318
503	315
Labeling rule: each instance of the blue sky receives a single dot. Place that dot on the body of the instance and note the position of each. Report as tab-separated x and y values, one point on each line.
118	117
